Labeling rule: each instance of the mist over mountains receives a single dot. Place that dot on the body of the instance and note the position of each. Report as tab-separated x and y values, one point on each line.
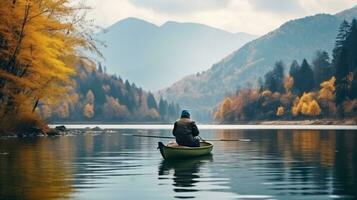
296	39
154	57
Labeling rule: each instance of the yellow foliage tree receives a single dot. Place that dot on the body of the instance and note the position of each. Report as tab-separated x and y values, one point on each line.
327	89
306	105
280	111
40	42
327	96
314	109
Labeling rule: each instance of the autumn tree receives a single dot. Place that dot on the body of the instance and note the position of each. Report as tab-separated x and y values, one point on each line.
40	42
306	105
225	110
327	96
114	110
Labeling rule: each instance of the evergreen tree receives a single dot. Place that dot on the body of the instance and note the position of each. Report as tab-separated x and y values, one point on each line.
274	80
163	108
322	68
294	72
340	41
151	102
340	64
352	58
306	77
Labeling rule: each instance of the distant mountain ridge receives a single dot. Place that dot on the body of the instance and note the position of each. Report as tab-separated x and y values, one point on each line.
154	56
296	39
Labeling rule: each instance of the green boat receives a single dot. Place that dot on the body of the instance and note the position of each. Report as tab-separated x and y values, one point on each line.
181	152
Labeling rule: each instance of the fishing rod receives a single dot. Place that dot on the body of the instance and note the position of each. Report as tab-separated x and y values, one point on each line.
212	140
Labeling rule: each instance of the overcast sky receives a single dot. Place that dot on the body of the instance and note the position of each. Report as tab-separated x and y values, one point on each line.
250	16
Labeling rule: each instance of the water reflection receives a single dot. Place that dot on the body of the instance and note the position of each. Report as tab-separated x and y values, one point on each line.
185	173
321	164
33	169
275	164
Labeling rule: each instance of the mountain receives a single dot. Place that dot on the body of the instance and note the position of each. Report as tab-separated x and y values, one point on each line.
154	57
296	39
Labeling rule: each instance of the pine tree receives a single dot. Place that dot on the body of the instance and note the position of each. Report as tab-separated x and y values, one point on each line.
151	102
163	108
306	78
340	64
274	80
352	58
321	67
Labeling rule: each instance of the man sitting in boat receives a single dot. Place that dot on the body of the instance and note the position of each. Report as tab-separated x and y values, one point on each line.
186	131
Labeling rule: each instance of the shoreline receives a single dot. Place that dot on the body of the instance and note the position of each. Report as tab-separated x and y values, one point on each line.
309	122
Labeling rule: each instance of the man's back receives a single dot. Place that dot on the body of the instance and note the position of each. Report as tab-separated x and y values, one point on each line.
185	130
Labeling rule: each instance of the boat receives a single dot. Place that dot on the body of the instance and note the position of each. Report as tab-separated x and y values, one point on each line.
172	151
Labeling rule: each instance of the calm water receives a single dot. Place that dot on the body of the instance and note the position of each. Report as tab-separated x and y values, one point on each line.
275	164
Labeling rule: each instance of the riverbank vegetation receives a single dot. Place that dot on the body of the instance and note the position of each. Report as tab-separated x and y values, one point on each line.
323	89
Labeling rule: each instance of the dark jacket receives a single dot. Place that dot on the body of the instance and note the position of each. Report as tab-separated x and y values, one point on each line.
185	132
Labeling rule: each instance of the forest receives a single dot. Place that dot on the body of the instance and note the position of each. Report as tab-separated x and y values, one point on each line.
324	88
98	96
46	76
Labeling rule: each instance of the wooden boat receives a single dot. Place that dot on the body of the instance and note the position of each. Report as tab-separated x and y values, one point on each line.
180	152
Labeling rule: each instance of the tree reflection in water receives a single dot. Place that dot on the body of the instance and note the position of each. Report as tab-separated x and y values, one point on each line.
185	173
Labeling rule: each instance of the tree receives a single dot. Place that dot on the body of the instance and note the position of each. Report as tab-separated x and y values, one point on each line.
288	84
294	73
112	109
306	105
275	78
340	63
163	108
352	59
306	78
225	110
40	42
321	67
151	102
327	96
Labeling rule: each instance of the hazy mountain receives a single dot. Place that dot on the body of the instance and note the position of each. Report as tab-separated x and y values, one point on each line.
296	39
154	57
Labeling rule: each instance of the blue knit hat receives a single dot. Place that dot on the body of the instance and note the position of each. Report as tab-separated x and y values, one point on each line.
185	114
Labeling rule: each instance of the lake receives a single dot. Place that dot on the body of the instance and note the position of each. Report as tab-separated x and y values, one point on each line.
270	164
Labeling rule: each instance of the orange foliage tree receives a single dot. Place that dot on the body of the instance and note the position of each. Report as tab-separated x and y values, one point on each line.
306	105
40	42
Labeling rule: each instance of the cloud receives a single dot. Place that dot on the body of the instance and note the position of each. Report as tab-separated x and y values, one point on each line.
251	16
278	7
180	6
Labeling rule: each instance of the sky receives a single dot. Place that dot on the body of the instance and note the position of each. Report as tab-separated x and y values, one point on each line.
251	16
